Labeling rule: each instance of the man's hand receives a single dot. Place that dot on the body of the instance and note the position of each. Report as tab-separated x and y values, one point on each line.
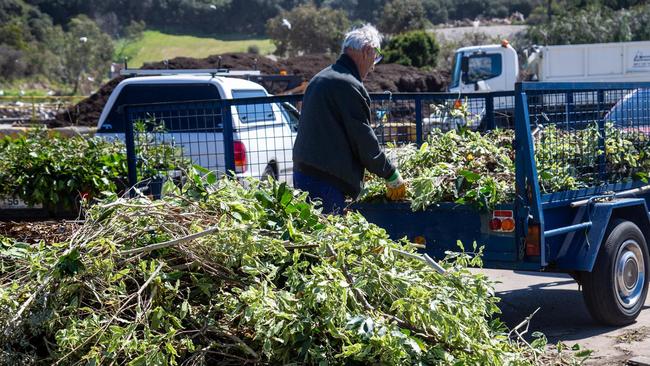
395	187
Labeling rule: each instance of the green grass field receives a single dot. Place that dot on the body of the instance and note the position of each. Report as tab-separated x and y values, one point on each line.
157	46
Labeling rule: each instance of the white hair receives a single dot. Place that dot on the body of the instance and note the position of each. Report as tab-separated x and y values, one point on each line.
360	37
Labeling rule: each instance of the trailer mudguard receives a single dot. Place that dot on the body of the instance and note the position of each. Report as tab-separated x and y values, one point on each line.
582	252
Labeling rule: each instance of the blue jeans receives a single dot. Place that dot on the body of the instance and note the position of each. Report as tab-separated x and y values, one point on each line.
333	199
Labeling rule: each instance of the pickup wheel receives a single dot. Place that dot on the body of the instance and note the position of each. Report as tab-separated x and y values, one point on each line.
269	173
616	289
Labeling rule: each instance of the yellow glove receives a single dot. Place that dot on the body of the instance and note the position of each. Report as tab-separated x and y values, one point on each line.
395	187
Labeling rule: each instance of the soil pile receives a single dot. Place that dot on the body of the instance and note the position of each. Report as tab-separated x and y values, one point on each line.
392	77
87	111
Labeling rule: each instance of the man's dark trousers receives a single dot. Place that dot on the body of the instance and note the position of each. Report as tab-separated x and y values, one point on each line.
332	198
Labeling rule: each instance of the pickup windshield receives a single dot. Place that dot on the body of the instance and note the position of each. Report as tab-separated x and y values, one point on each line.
482	67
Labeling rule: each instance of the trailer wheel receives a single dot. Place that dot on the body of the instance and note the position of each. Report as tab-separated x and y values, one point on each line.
616	289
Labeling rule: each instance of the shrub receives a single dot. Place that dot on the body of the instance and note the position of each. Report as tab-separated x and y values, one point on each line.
417	48
254	49
52	170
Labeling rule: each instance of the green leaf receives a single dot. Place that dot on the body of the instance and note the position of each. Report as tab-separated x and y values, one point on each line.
184	309
469	175
156	317
211	178
69	264
139	361
584	353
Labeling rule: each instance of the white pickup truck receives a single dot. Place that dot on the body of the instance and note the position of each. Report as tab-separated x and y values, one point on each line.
263	134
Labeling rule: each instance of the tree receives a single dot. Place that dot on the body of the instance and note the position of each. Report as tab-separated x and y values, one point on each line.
13	34
640	29
437	11
403	15
307	29
86	51
416	48
12	63
130	34
593	24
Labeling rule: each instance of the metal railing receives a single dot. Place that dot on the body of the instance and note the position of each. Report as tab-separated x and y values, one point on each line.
589	137
584	138
253	137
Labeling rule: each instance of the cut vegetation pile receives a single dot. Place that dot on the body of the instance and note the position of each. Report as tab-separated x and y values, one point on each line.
478	168
54	171
51	170
392	77
230	275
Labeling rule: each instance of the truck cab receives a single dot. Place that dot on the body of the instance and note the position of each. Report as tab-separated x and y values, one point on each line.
484	68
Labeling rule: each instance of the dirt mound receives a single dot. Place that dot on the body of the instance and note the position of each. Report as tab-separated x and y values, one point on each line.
236	61
87	111
392	77
399	78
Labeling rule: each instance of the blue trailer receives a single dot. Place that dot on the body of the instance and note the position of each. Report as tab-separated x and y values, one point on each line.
598	234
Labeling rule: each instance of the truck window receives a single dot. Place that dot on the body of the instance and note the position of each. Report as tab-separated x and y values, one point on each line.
159	93
482	67
249	113
291	115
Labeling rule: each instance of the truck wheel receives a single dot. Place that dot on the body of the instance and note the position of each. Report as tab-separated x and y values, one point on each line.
268	173
616	289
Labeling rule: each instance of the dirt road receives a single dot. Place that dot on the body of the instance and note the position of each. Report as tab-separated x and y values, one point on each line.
500	31
563	316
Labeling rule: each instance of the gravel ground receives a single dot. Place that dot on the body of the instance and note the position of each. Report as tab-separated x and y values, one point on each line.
563	316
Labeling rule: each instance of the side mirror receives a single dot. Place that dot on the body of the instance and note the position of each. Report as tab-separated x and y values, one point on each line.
464	64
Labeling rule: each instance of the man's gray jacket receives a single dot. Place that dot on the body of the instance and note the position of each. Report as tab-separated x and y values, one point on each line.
335	141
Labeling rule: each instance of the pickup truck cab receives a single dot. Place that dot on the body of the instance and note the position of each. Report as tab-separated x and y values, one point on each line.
263	134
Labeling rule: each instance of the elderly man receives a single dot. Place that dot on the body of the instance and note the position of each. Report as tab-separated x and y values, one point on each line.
335	141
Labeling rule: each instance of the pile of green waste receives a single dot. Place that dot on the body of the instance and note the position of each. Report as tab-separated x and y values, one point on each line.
219	273
478	169
43	168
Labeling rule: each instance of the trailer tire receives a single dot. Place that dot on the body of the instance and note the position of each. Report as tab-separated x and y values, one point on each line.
616	289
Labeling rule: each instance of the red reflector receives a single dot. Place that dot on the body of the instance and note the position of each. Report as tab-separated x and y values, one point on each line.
502	213
240	156
495	224
508	224
532	241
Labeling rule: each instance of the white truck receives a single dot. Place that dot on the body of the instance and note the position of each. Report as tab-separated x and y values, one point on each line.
263	134
497	68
